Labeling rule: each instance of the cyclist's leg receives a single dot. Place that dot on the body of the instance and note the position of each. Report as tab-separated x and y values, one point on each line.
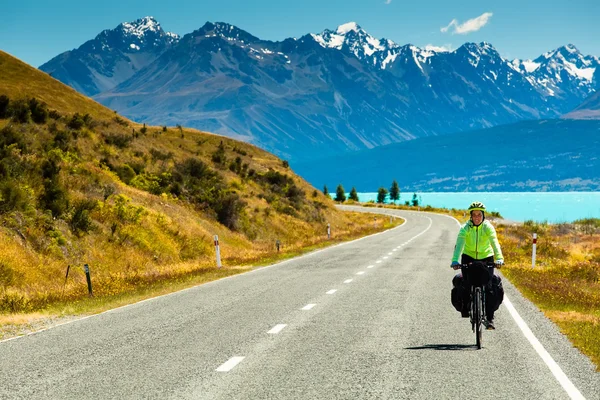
465	293
456	294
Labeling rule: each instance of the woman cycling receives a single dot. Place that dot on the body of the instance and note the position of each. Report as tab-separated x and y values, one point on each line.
477	241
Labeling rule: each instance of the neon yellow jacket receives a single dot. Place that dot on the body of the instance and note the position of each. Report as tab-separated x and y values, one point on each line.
478	242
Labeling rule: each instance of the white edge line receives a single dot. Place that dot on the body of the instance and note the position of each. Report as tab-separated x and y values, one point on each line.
277	328
230	364
546	357
558	373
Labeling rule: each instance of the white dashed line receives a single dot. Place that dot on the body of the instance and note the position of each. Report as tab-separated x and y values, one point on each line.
385	257
370	266
378	261
230	364
360	273
389	254
308	307
277	328
332	291
348	281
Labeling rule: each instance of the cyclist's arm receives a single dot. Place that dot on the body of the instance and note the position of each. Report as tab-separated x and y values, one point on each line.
495	244
460	244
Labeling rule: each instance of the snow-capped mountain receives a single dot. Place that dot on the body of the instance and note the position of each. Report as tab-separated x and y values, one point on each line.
338	90
112	57
563	74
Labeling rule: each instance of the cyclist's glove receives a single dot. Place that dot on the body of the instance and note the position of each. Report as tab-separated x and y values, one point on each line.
454	264
499	263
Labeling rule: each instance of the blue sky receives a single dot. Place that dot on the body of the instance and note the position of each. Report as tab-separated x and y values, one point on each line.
36	31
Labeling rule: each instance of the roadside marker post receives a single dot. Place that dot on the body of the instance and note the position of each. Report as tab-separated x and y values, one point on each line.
533	250
218	251
88	278
278	244
328	231
66	277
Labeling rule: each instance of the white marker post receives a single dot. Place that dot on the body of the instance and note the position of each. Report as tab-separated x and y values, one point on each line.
533	250
218	251
328	231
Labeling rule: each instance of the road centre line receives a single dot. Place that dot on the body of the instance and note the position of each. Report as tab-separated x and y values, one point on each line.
277	328
332	291
558	373
370	266
378	261
385	257
360	273
230	364
389	254
348	281
308	307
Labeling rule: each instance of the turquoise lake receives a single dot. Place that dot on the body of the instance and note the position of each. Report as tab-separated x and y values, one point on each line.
521	206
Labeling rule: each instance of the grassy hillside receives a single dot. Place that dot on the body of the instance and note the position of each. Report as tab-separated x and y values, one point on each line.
140	205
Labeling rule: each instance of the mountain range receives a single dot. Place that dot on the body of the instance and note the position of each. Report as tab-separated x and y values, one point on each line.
321	94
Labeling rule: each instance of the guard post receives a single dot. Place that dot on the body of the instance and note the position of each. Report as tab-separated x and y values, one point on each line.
218	251
86	268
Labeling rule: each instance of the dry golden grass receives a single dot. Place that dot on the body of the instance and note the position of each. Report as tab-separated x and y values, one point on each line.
21	80
565	283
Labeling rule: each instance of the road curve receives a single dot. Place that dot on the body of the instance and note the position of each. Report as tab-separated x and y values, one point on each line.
368	319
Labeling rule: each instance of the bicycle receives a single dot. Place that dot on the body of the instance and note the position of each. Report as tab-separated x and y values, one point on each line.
477	276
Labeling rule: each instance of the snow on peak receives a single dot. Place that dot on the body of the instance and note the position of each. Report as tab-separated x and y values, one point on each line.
139	27
347	27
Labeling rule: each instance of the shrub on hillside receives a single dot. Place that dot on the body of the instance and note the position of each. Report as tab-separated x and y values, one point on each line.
119	140
229	209
76	122
125	173
20	112
55	115
80	220
218	157
39	111
9	136
4	106
62	139
12	197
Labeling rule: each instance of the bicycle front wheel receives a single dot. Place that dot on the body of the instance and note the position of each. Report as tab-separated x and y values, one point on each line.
478	317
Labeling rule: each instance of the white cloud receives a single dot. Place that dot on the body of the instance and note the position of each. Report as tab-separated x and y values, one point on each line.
388	1
440	49
472	25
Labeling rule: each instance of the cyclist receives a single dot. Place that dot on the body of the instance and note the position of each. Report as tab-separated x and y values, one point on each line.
477	241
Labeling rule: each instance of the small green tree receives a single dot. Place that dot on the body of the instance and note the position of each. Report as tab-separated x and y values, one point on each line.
286	164
144	129
325	190
353	194
415	200
394	192
340	194
381	195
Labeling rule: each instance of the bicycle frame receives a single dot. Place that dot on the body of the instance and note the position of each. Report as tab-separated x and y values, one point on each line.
477	279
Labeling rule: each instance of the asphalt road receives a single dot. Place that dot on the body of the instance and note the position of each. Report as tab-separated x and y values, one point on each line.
369	319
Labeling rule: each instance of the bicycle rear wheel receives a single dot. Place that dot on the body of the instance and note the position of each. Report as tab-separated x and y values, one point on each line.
477	314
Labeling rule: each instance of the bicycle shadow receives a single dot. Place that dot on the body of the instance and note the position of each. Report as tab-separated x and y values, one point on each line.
444	347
